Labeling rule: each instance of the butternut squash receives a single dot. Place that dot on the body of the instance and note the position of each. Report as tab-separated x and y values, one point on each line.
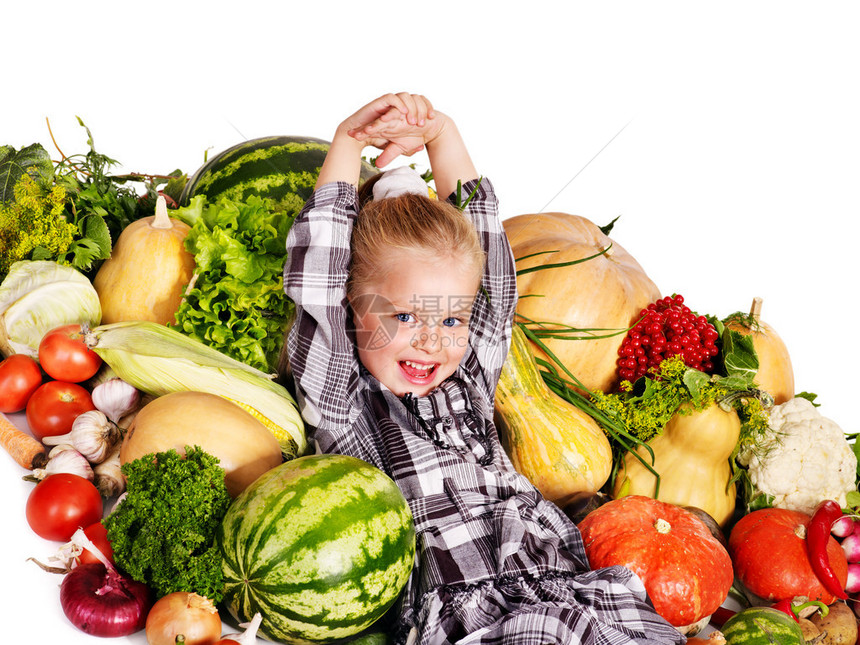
557	446
775	374
147	272
692	457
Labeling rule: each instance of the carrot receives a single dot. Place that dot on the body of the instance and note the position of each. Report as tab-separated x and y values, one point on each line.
23	448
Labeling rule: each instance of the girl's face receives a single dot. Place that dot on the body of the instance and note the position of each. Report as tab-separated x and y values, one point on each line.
412	325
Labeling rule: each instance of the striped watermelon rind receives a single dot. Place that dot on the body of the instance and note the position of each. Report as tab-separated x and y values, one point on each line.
762	626
281	168
321	546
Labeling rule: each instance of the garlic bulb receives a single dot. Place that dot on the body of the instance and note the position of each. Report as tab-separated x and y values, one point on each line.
92	435
108	476
115	398
65	461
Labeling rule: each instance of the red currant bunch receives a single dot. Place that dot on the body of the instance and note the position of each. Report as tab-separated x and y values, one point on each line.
667	328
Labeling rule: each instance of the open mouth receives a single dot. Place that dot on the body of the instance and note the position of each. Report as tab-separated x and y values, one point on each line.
416	371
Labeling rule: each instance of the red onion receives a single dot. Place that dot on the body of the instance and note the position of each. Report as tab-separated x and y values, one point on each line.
100	601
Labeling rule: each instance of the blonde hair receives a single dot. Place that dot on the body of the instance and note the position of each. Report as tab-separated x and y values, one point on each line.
412	223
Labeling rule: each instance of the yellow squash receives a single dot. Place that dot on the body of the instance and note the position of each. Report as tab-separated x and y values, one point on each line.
557	446
692	457
147	272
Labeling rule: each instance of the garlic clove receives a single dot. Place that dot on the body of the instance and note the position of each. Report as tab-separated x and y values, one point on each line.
108	476
66	461
115	398
92	434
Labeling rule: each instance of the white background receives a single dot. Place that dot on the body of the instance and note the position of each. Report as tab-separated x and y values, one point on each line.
736	174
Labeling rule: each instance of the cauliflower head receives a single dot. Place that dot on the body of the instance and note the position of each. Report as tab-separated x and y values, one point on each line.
802	459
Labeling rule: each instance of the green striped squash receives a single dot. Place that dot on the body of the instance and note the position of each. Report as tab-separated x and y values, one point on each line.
762	626
281	168
321	546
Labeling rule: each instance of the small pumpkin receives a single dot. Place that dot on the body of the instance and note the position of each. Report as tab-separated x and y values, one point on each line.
557	446
147	272
604	294
244	447
685	570
692	457
768	549
775	374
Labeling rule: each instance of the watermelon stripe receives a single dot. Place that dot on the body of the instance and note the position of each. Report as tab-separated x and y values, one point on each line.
320	546
281	168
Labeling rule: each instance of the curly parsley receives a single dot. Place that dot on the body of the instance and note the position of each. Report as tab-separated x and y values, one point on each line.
163	532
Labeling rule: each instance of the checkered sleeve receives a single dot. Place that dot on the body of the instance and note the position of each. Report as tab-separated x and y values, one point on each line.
322	358
492	315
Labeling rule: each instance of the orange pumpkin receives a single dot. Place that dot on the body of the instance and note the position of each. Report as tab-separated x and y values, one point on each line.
769	553
684	568
775	374
603	293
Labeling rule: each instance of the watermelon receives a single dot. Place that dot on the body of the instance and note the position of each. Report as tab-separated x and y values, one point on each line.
281	168
762	626
321	546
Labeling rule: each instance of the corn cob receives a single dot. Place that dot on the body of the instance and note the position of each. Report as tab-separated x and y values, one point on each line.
158	360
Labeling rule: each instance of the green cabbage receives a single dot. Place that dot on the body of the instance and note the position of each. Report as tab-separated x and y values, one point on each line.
38	296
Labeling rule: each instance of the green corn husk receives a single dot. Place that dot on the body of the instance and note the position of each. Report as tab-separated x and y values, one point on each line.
159	360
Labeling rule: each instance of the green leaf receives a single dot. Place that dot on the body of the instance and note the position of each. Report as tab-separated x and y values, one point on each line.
607	228
96	229
809	396
739	356
33	159
695	380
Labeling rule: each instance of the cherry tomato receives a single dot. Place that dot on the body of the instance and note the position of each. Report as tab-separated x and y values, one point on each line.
20	375
54	406
62	503
97	533
64	355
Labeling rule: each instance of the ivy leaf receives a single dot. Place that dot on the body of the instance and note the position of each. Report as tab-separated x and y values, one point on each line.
33	159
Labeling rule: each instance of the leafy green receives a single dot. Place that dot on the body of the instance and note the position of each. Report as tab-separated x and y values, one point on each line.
98	206
163	532
32	160
237	304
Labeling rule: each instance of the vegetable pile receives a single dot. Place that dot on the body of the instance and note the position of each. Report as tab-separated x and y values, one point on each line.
142	326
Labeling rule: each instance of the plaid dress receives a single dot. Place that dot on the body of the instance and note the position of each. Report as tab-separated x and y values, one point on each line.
496	563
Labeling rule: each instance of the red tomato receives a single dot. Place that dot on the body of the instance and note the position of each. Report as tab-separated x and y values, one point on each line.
62	503
19	377
54	406
97	533
64	355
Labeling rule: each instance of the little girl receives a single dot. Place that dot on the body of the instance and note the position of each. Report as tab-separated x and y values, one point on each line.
404	313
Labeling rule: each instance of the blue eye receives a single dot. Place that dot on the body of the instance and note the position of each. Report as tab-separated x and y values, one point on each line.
404	318
451	322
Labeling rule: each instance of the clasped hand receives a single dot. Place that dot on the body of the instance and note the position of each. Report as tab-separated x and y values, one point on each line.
397	124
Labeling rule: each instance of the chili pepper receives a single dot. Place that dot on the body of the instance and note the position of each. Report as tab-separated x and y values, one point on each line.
817	538
792	610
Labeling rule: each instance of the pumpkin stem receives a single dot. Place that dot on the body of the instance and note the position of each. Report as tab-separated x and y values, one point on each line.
662	526
755	309
162	219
